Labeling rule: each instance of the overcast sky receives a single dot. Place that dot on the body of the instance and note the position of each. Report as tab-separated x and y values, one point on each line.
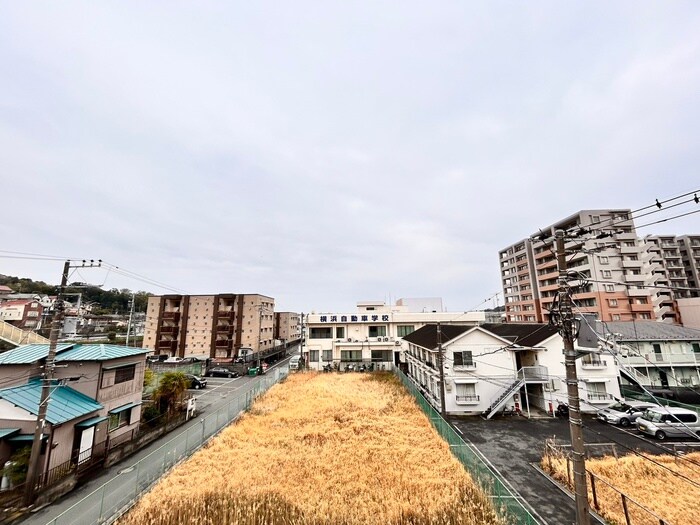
329	152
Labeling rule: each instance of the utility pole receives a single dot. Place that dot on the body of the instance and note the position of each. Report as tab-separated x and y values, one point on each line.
131	316
567	329
47	379
32	472
443	411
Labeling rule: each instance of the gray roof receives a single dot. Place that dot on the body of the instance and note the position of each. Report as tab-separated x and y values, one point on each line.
648	331
27	354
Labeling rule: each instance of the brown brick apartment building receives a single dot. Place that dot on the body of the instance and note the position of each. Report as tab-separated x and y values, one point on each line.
209	325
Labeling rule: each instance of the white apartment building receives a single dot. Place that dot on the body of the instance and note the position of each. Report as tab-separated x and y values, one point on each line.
655	355
374	333
493	366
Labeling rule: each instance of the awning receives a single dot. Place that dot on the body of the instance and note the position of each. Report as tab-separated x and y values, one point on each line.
91	422
24	438
121	365
464	380
6	432
124	407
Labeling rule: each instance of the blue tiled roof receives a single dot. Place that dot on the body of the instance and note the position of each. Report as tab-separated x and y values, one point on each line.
65	404
27	354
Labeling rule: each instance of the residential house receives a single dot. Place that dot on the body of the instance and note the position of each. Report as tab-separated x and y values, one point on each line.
25	314
493	366
94	403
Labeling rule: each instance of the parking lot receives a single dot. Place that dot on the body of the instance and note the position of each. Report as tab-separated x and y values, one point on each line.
513	444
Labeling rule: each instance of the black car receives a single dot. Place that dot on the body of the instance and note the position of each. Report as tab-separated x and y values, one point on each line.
196	382
219	371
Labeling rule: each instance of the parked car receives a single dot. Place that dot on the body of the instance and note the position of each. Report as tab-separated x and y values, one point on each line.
196	382
624	413
219	371
174	360
294	362
156	358
663	422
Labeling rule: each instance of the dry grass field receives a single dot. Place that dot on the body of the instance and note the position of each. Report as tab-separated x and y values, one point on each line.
341	449
671	497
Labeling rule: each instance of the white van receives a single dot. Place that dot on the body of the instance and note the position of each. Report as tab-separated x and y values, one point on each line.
665	422
294	362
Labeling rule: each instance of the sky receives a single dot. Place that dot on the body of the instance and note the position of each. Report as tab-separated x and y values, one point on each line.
325	153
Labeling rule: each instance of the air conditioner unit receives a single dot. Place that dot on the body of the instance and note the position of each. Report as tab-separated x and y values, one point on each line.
398	343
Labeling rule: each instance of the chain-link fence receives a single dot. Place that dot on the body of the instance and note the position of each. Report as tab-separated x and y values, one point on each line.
508	504
116	496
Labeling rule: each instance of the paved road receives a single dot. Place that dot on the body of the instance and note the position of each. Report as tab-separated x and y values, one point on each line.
513	444
218	393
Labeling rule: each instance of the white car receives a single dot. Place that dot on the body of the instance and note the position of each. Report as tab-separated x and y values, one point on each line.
624	413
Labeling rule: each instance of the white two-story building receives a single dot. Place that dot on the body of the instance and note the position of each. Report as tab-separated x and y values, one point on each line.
493	366
372	334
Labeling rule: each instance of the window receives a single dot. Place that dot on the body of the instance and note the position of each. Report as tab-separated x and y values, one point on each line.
351	355
404	330
604	259
609	287
616	317
612	302
328	355
607	274
463	358
313	356
466	393
381	355
320	333
696	347
124	374
377	331
340	332
118	420
597	392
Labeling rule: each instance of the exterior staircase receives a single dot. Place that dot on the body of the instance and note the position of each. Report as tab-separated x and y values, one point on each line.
503	397
16	336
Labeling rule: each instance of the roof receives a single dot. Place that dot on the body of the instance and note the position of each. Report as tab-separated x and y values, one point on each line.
27	354
5	432
521	334
65	404
426	336
648	331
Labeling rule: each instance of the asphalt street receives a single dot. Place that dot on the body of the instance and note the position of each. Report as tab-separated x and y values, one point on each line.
218	393
513	444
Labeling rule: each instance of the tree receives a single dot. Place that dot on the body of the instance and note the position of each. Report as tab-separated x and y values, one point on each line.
170	390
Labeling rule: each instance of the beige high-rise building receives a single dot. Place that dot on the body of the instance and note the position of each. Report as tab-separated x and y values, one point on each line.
209	325
287	326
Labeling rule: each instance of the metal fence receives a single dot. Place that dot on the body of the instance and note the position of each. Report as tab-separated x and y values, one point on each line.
508	504
116	496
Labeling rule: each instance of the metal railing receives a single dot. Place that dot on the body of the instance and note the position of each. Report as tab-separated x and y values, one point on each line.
115	497
507	502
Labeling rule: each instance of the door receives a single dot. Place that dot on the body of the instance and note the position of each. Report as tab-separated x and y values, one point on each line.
664	379
86	440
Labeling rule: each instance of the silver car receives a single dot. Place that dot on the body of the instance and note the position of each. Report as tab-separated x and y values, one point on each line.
624	413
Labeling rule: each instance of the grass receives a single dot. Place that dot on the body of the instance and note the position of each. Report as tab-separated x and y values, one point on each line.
346	449
657	488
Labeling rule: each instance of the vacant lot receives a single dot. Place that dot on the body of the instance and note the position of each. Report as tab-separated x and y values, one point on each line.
322	448
666	485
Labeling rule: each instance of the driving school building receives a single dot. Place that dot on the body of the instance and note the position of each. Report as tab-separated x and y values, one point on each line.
372	334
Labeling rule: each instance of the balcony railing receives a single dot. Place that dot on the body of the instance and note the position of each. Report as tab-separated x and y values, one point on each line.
597	397
468	399
594	363
534	373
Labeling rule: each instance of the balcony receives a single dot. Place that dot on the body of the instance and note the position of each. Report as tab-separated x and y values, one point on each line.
593	364
224	329
172	316
167	345
467	400
631	264
534	374
168	329
629	250
225	314
598	397
224	344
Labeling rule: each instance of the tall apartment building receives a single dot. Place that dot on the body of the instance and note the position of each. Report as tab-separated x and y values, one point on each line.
209	325
287	326
628	278
614	266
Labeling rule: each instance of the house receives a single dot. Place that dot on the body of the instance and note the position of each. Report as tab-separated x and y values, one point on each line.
94	402
22	313
655	355
493	366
